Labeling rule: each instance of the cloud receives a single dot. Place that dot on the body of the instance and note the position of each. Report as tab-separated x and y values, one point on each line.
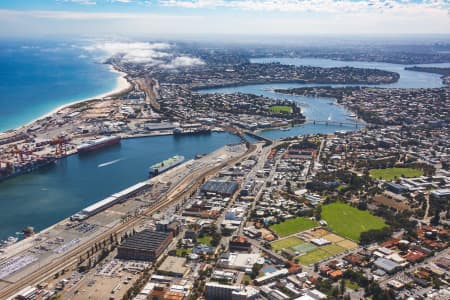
234	17
320	6
183	62
68	15
150	54
132	52
83	2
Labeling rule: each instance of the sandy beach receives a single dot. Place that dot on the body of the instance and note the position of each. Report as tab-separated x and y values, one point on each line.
122	84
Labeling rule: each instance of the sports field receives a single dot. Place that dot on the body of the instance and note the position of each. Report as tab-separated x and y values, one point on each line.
349	221
293	226
393	173
286	243
319	254
313	256
281	109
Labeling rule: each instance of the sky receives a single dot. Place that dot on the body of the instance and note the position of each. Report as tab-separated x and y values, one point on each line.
38	18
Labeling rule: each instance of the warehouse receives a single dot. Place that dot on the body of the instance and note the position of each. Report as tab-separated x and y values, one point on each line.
146	245
173	266
113	199
225	188
387	265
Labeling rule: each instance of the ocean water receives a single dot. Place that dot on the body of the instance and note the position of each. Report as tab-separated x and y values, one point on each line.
37	77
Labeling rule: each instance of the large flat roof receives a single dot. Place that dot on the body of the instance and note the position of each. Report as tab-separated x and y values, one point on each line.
173	264
99	204
145	240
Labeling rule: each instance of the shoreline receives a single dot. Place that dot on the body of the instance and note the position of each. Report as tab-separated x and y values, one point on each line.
122	84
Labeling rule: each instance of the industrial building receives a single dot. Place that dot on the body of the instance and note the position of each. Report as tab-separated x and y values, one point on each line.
224	188
240	243
216	290
173	266
146	245
111	200
387	265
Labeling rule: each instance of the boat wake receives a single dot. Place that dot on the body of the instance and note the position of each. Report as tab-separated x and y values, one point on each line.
109	163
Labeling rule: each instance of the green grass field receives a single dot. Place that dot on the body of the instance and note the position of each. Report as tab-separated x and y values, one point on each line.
292	226
351	285
180	251
333	249
206	240
393	173
281	109
286	243
348	221
313	256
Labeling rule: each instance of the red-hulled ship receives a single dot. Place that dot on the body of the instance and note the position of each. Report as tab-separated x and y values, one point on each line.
98	143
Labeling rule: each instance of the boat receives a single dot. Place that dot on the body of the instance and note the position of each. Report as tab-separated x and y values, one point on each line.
98	143
26	167
202	130
165	165
285	129
199	155
11	240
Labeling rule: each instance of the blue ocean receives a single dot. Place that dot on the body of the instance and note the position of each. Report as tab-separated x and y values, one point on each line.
38	76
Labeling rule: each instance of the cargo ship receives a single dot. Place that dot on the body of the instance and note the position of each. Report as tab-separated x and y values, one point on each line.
191	131
12	170
93	145
165	165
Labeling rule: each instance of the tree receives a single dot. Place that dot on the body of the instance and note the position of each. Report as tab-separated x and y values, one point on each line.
318	212
375	235
435	220
342	286
215	239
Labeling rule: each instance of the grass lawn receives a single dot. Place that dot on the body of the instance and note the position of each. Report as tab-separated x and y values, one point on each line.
313	256
206	240
348	221
350	284
286	243
333	249
341	187
179	251
292	226
281	109
246	278
393	173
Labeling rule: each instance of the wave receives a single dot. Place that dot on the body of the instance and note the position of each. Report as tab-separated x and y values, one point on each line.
109	163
